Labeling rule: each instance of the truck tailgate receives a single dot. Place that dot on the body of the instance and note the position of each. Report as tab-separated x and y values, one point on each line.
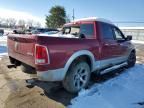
22	48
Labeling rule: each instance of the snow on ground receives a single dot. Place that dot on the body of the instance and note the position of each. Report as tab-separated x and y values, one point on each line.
123	91
2	54
137	42
3	38
3	46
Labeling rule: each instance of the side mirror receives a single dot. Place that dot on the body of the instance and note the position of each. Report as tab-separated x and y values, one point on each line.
129	37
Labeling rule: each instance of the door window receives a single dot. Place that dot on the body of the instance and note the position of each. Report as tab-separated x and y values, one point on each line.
118	34
87	30
106	31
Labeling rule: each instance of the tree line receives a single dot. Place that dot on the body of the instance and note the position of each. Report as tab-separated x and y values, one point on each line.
13	23
56	18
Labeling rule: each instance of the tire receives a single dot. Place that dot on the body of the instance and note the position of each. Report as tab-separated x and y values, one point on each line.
77	77
27	69
131	59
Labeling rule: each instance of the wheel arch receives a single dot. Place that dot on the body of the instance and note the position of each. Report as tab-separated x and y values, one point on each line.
77	55
131	51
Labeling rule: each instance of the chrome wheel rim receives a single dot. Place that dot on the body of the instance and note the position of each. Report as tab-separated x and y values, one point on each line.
80	77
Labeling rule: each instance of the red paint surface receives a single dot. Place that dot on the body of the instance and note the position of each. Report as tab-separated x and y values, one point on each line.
61	49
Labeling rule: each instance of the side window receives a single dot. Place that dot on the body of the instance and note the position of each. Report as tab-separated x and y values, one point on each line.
106	31
118	34
87	30
66	30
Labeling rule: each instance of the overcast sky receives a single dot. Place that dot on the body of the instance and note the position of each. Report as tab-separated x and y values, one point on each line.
114	10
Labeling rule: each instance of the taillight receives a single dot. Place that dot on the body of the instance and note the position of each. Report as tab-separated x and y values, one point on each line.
41	54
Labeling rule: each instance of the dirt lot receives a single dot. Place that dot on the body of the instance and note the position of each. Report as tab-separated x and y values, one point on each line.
15	93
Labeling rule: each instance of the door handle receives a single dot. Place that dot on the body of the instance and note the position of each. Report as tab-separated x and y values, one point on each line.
106	44
113	44
121	44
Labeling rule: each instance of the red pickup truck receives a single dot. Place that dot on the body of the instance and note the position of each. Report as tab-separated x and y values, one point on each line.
82	47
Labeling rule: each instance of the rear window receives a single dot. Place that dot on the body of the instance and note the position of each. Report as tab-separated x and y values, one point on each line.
71	30
87	29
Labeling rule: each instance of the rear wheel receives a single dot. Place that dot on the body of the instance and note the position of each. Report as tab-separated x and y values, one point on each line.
77	77
132	59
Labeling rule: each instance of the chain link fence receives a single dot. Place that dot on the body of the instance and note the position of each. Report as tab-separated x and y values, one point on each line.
134	28
138	34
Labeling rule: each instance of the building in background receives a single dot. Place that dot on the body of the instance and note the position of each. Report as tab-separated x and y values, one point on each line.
136	32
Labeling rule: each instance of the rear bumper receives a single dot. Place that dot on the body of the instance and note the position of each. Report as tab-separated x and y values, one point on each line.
51	75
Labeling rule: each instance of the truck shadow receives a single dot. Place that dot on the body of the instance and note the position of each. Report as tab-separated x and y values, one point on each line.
56	92
61	95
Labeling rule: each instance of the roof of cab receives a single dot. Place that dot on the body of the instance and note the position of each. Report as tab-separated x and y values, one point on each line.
90	19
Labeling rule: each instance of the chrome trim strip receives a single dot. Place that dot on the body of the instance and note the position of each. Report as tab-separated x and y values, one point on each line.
103	63
113	68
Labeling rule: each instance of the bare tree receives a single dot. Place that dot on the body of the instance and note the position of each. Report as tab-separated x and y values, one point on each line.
11	22
38	24
30	23
7	21
1	21
21	23
67	18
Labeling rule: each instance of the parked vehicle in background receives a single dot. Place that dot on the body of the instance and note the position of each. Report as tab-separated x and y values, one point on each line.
51	32
1	32
18	31
36	31
85	46
43	30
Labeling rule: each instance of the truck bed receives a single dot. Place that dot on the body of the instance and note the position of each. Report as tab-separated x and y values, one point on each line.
21	47
60	49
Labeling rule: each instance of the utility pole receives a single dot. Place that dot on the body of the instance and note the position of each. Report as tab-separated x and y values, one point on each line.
73	15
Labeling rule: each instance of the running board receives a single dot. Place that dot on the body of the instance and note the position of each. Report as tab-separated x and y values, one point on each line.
113	68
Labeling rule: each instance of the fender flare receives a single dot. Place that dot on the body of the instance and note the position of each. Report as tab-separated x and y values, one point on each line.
78	54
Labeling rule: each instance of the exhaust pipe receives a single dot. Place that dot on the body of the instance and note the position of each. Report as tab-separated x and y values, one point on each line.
11	66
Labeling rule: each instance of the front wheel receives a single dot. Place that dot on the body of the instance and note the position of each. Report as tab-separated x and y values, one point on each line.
77	77
132	59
